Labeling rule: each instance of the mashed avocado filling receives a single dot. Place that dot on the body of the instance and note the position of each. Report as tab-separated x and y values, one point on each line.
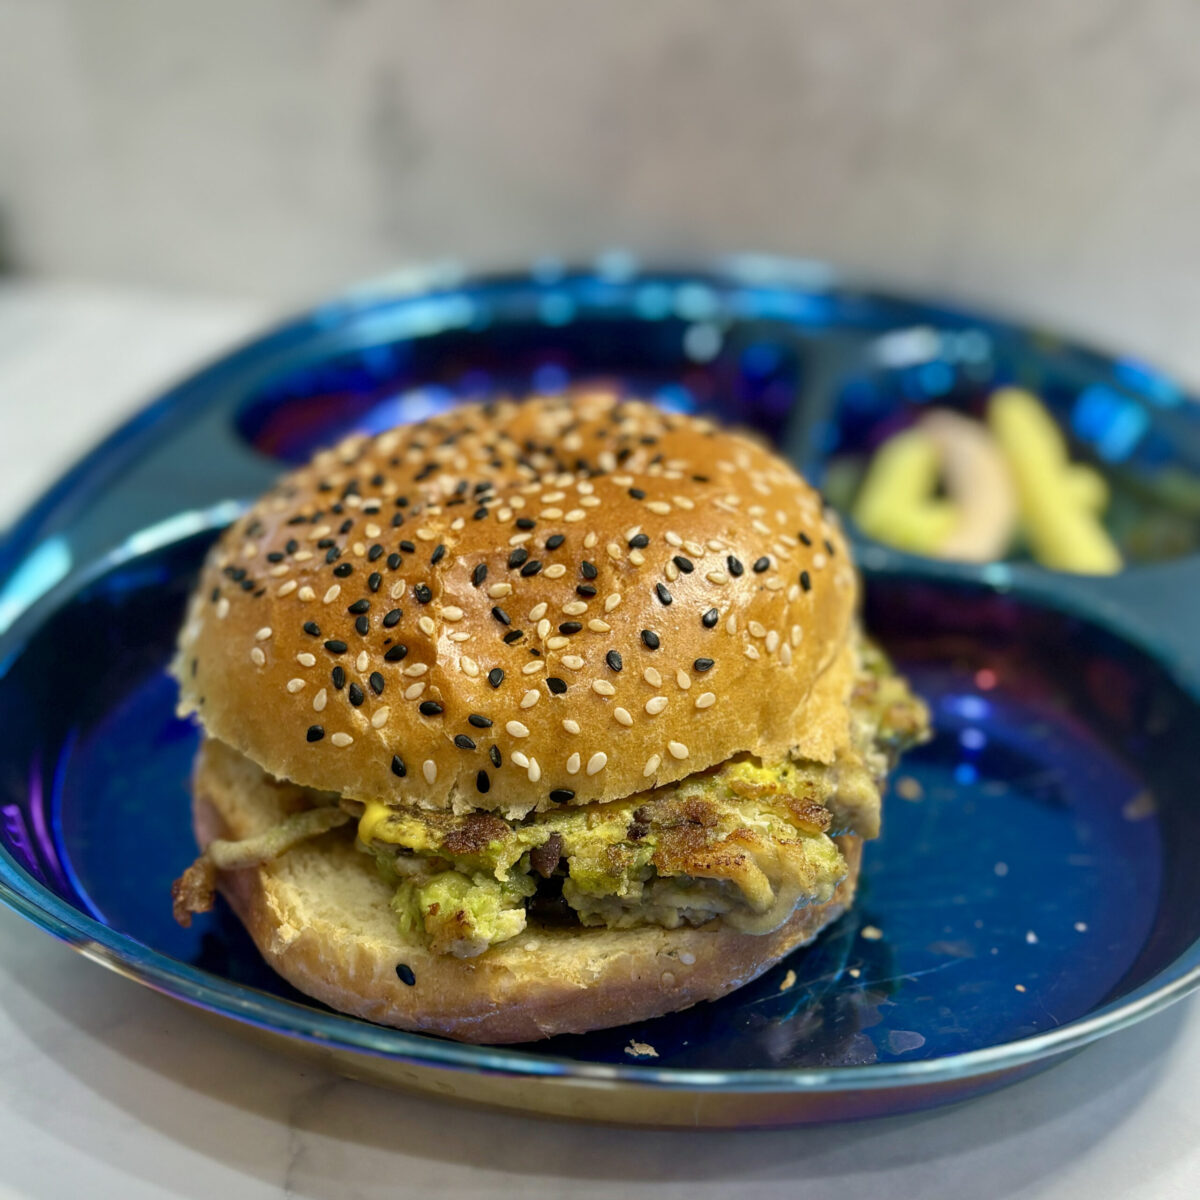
747	841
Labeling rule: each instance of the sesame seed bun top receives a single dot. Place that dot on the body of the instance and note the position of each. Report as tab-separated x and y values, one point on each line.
518	605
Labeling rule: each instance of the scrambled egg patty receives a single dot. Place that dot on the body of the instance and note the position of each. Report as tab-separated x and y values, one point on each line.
747	841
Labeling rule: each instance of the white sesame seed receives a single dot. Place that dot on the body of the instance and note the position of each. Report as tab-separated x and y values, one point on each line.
576	514
257	657
520	759
222	608
426	626
774	584
818	561
397	589
315	535
504	514
785	654
332	594
651	765
715	544
518	539
372	530
587	502
671	571
302	556
717	577
362	661
673	538
797	634
655	705
597	763
731	624
571	726
452	613
572	661
637	558
530	698
543	627
772	641
551	514
590	541
678	750
426	535
531	667
659	507
555	571
516	729
306	660
694	548
429	770
757	629
358	549
551	497
535	770
249	550
614	551
622	716
684	502
793	593
752	652
573	764
306	594
574	608
498	591
538	611
611	601
460	636
603	688
652	677
294	685
380	716
413	690
469	666
706	700
288	588
319	701
415	670
279	570
557	642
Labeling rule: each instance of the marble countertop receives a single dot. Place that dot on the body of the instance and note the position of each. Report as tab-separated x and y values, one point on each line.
110	1090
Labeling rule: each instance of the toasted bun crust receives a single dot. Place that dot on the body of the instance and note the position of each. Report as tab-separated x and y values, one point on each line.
722	592
320	917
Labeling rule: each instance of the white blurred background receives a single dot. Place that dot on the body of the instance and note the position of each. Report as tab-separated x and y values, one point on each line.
1040	157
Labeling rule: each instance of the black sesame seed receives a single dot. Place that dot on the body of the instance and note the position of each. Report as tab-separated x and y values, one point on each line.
637	493
463	742
805	581
586	590
398	767
338	675
501	615
343	570
664	596
805	540
362	626
479	721
215	595
312	629
650	639
377	683
376	551
829	548
275	556
761	564
703	664
439	552
335	646
684	564
396	653
517	557
496	677
614	660
355	695
588	570
734	565
639	541
292	546
315	733
483	783
430	708
391	618
494	755
570	627
553	543
359	606
405	972
525	523
479	574
393	561
557	686
710	618
333	555
531	568
422	593
408	547
247	585
514	635
479	514
374	580
561	795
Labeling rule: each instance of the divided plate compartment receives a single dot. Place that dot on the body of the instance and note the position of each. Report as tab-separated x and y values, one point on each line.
1033	889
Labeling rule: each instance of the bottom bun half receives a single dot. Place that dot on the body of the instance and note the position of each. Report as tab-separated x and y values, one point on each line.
320	916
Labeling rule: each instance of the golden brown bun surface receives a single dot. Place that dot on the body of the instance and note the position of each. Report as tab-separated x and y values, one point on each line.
722	591
320	917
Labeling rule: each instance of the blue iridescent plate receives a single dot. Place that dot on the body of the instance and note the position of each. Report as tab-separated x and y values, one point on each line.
1034	888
